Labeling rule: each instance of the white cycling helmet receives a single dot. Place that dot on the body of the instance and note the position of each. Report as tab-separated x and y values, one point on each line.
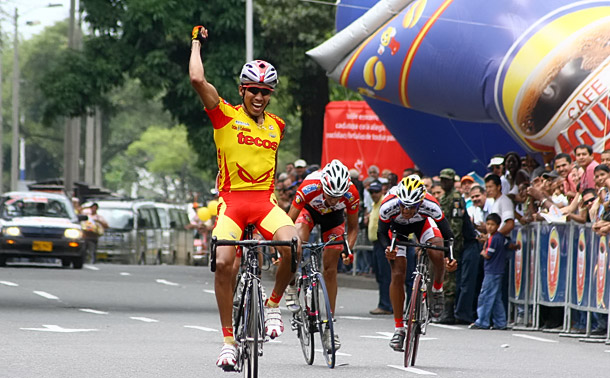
411	191
259	72
335	179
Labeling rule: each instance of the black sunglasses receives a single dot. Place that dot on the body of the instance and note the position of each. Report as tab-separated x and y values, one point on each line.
590	200
257	90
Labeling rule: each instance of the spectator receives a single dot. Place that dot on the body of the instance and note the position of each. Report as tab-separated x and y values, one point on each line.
386	173
300	168
502	205
481	207
564	167
410	171
514	174
584	158
96	225
496	166
532	167
290	169
381	266
584	205
491	308
373	172
466	184
437	191
605	157
427	183
392	180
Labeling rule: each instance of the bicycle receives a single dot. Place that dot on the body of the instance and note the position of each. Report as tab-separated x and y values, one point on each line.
417	314
249	323
314	315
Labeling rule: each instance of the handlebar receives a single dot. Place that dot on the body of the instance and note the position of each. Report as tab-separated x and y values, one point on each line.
320	245
254	243
424	246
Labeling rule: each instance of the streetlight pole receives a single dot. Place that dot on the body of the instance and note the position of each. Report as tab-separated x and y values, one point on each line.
249	31
15	103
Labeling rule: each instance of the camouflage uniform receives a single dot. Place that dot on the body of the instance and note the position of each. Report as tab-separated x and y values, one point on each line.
454	208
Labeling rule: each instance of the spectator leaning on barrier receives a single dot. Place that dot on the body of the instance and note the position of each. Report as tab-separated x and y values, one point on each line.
584	205
564	167
514	174
502	205
584	158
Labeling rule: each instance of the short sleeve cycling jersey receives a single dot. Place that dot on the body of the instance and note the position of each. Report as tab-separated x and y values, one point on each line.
310	193
390	210
246	152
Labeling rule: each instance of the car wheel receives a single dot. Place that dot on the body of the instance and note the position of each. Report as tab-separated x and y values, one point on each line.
66	263
77	263
2	261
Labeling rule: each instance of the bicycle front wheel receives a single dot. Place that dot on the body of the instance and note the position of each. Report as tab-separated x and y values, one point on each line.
324	319
304	321
252	335
413	322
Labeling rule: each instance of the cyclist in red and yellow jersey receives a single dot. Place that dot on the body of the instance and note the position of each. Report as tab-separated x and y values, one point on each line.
247	138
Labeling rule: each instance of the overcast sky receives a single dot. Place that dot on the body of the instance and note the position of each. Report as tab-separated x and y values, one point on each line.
35	11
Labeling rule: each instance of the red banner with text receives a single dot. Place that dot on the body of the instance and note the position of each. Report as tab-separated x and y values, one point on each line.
354	134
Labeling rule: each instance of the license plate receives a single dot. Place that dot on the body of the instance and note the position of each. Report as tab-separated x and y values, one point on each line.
42	246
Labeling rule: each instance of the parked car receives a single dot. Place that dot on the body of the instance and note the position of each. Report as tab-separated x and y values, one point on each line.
40	225
133	235
176	240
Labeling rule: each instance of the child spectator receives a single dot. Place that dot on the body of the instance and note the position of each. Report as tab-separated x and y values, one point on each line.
491	307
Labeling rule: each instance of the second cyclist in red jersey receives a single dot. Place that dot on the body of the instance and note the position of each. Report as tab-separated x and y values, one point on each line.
323	198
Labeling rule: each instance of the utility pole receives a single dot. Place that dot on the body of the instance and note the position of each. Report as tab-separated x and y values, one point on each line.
97	178
69	168
1	122
15	138
249	32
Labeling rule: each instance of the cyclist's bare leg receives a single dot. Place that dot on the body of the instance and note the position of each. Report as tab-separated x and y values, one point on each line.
397	286
438	259
224	283
283	275
330	258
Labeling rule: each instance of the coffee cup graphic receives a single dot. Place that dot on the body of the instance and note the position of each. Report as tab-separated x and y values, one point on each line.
552	272
581	265
602	257
518	263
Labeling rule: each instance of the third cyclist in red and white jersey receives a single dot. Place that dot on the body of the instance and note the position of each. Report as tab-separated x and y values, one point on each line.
323	198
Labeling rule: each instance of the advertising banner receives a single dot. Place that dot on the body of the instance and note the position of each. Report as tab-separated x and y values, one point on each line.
354	134
581	266
518	287
531	270
553	259
599	278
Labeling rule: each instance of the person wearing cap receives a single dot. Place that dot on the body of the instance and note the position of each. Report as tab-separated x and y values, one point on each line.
496	167
381	266
246	138
454	207
300	169
466	183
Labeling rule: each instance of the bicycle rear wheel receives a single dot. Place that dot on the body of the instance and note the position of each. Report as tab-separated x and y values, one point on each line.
324	319
303	320
413	322
252	334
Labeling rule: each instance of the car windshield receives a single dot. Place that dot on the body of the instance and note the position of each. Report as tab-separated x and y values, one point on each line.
119	219
34	207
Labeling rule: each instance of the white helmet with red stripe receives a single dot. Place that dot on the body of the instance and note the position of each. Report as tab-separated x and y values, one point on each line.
259	72
335	179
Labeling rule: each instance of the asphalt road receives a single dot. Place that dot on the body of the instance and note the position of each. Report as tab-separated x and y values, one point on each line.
161	321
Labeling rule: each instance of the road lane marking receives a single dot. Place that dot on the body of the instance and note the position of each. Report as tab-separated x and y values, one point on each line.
143	319
376	337
209	291
446	326
8	283
411	369
534	338
205	329
166	282
45	295
91	267
91	311
56	328
355	317
125	274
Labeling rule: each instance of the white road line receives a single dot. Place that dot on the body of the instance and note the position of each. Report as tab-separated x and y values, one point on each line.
205	329
143	319
376	337
8	283
56	328
209	291
166	282
45	295
534	338
412	370
91	311
91	267
354	317
446	326
125	274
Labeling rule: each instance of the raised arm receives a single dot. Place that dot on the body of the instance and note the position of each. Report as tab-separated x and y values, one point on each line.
207	92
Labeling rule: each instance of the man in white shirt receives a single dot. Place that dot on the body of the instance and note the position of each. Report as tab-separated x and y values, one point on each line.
502	205
481	207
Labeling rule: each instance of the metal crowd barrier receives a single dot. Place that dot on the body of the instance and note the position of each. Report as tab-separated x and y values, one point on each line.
559	265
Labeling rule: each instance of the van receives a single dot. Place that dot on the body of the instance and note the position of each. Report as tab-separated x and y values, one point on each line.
134	232
176	240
